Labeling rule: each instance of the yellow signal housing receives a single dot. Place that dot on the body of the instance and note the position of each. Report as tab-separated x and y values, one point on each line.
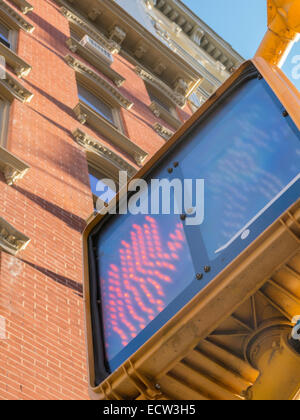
283	30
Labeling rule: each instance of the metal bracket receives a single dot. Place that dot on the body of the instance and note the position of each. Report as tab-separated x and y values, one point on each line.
110	394
147	390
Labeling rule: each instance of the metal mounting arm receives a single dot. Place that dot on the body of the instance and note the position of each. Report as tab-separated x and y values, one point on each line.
283	30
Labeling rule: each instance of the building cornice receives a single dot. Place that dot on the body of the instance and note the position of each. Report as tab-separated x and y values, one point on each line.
11	89
154	81
20	67
14	19
193	26
86	115
116	24
11	240
11	166
100	65
116	162
23	5
97	82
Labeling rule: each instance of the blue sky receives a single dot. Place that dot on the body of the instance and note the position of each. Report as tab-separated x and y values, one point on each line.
242	23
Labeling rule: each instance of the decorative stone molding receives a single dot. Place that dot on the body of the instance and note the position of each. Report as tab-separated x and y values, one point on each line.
197	35
11	240
23	5
175	97
112	161
94	14
12	167
14	19
163	131
141	50
97	83
20	67
88	29
93	59
161	112
159	68
117	34
10	88
87	115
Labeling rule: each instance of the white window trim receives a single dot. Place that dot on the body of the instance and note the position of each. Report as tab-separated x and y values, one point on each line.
4	120
11	88
12	34
160	112
12	167
80	24
102	157
20	67
85	114
96	84
11	240
154	81
100	65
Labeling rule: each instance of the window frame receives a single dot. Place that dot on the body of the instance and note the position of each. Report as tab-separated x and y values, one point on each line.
115	111
12	241
20	67
14	19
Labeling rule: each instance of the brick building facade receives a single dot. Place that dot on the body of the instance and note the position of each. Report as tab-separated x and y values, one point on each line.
50	140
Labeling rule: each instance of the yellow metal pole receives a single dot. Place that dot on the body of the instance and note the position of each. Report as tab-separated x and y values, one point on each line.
283	31
279	366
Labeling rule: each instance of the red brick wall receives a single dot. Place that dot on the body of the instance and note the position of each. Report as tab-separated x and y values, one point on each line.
43	354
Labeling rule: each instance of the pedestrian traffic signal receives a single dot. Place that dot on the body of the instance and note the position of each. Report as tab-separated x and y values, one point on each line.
177	287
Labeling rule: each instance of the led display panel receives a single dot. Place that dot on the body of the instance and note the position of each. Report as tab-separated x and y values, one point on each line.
247	152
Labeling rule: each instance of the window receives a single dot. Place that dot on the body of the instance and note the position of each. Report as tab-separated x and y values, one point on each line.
97	104
159	99
8	34
5	35
8	47
164	109
155	97
98	187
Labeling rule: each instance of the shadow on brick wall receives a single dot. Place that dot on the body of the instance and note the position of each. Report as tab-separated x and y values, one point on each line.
65	108
51	31
64	281
73	221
